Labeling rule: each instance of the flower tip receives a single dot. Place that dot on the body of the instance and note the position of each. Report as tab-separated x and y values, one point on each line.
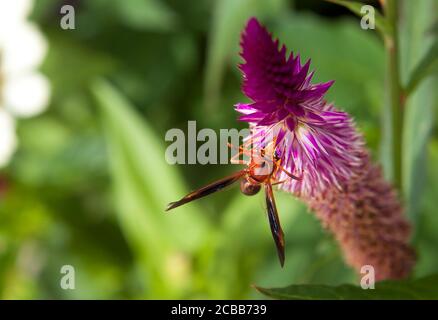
327	85
252	22
254	29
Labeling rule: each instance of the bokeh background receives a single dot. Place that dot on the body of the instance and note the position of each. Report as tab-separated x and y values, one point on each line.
88	182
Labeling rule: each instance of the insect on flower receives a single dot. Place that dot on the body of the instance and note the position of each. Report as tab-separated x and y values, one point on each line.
263	166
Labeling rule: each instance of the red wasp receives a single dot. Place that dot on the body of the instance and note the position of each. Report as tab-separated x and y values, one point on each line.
262	169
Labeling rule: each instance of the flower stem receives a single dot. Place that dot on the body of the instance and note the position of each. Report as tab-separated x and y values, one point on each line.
394	88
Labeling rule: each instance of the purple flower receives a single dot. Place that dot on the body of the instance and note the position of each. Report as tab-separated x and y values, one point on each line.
311	139
315	141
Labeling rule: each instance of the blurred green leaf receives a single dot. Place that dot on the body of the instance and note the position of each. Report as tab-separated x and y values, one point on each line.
425	288
145	14
51	154
433	30
142	15
427	237
427	66
414	44
356	8
228	21
143	184
84	64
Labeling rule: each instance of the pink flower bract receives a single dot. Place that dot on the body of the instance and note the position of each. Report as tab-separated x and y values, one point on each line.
316	141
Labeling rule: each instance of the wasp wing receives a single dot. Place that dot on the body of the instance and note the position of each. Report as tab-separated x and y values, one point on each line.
207	190
274	222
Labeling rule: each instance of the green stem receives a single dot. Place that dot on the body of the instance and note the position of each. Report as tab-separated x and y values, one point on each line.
396	94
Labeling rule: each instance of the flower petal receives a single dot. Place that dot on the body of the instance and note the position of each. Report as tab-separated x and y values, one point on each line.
26	96
291	123
23	49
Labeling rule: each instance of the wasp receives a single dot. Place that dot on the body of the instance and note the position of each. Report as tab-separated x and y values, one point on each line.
261	169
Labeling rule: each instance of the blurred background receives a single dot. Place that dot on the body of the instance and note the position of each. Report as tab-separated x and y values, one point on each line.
84	180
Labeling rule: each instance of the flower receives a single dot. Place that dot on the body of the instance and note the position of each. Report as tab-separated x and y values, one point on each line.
367	220
24	92
316	141
320	144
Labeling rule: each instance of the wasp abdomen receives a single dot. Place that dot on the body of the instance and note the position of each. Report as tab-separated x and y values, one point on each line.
248	187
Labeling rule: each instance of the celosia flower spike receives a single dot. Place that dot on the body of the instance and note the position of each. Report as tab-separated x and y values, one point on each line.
313	137
320	144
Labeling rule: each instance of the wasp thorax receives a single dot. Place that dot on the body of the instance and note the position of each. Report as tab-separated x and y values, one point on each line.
261	171
249	188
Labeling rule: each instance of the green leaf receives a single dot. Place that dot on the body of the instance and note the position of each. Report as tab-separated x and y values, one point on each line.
424	288
433	30
228	21
427	66
356	7
143	184
414	45
427	239
143	15
146	14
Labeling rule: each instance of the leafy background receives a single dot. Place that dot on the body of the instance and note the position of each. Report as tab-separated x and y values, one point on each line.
89	183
